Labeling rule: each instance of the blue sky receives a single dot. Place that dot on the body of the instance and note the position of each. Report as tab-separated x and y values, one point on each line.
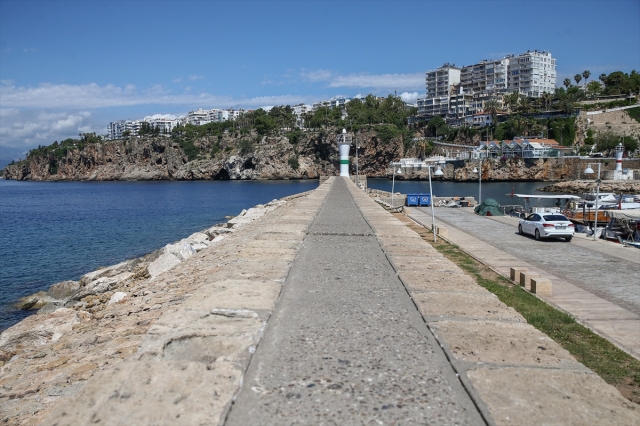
72	66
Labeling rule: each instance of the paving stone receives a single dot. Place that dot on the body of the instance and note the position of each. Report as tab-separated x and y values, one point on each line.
525	396
480	305
500	342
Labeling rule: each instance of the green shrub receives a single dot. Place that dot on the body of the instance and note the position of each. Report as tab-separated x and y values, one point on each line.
215	150
189	149
53	166
387	132
293	163
246	147
228	148
634	113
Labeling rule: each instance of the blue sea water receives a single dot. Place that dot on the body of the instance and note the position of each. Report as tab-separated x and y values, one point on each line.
56	231
499	191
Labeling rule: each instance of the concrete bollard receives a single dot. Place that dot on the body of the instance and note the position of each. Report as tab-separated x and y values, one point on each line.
515	273
525	279
541	286
442	231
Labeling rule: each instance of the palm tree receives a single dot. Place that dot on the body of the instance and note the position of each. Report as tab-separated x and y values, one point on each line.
546	99
492	107
586	74
524	104
602	77
566	83
577	78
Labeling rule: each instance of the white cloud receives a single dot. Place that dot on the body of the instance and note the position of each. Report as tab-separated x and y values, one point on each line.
30	49
410	98
32	128
195	77
51	96
316	76
413	81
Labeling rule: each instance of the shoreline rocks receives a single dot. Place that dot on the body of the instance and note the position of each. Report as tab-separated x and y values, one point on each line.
584	186
95	323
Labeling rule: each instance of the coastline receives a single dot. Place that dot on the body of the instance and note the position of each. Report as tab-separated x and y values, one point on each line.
94	323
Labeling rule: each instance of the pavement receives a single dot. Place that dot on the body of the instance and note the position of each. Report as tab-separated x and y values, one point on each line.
346	344
374	326
331	311
597	282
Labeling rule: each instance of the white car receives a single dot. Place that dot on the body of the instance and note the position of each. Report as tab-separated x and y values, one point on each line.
543	225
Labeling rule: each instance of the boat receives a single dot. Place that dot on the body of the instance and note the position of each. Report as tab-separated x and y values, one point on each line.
561	205
623	227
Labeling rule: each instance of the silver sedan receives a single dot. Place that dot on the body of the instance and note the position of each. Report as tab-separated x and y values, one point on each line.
544	225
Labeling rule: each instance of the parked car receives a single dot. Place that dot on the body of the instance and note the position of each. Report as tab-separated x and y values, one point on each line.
544	225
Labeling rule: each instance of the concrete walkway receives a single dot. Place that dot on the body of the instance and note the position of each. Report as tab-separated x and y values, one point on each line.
596	282
346	345
331	312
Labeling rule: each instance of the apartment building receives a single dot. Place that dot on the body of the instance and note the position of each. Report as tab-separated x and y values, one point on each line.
117	129
198	117
453	93
532	73
163	124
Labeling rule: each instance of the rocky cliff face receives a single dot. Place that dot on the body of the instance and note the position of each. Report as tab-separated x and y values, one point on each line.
314	155
156	158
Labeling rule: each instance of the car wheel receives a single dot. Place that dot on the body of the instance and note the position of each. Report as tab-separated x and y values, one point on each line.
520	230
537	235
568	238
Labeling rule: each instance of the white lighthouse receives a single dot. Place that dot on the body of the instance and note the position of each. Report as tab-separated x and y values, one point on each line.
344	144
619	152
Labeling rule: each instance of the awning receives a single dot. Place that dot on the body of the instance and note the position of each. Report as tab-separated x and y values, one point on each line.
552	197
629	214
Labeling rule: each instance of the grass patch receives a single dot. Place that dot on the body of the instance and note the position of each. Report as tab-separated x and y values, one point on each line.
615	366
634	113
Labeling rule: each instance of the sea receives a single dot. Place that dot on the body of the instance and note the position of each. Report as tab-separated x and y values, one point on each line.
57	231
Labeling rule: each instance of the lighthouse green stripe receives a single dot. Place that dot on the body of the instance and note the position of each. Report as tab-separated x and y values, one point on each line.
344	161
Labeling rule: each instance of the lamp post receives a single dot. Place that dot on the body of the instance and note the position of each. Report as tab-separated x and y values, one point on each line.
589	171
393	182
475	170
357	175
438	172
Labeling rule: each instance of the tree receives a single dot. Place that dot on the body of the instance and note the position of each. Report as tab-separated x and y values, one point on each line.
577	78
547	98
524	104
586	74
602	77
566	83
594	88
492	107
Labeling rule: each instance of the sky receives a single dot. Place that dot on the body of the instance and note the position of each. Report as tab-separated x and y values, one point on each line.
69	67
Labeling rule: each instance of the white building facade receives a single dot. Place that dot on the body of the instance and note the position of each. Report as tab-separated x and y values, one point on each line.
447	88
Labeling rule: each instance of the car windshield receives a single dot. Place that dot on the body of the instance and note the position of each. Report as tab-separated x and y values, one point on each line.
555	218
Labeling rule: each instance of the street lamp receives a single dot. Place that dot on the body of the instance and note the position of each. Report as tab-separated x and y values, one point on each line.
475	170
393	182
589	171
438	172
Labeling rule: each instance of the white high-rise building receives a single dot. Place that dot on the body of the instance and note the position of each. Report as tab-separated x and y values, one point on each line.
448	87
439	85
532	73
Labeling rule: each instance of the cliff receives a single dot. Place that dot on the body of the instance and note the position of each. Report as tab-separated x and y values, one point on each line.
232	156
248	156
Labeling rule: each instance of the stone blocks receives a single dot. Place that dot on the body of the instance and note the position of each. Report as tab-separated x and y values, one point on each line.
515	273
541	286
526	277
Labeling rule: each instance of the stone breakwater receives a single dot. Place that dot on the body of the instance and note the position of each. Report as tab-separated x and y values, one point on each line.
194	308
584	186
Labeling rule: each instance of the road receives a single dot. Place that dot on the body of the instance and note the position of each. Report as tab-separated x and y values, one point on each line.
612	278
